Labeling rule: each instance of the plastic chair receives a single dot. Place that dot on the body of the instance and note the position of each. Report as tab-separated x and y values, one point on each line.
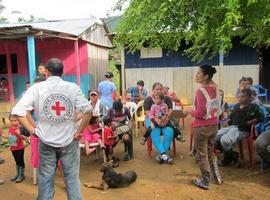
249	140
139	119
132	107
179	106
262	92
150	147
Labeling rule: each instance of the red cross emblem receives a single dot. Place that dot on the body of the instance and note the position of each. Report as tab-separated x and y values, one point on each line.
58	108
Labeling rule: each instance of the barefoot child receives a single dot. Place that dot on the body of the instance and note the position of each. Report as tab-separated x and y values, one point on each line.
91	135
16	138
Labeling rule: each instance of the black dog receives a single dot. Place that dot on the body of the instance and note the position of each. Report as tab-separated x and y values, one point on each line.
111	179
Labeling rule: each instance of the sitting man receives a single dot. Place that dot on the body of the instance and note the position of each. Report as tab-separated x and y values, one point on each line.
137	93
262	145
237	127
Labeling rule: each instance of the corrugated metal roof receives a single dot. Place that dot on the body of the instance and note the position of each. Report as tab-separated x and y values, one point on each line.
72	26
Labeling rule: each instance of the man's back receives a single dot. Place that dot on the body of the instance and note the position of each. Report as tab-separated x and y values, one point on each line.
55	103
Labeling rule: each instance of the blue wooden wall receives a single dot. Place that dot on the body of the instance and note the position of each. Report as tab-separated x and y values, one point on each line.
85	83
239	55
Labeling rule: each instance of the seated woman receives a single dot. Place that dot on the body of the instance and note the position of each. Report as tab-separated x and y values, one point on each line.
161	146
120	117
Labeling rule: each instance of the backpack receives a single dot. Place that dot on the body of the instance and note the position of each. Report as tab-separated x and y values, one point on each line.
213	106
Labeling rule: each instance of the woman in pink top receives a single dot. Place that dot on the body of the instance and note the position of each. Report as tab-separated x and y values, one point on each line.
205	125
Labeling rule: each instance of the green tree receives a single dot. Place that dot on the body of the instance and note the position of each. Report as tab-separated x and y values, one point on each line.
2	19
206	26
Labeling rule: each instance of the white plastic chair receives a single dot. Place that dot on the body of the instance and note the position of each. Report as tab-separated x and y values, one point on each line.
132	107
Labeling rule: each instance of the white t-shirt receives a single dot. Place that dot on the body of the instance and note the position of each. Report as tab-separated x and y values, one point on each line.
55	103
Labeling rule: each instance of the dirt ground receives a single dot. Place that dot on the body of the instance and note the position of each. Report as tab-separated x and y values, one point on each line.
154	181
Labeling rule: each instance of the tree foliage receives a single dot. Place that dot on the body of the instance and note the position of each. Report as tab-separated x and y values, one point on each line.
205	26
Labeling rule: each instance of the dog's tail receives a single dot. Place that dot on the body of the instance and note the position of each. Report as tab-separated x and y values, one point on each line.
132	175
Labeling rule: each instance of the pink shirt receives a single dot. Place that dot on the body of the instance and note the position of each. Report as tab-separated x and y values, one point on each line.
157	108
199	111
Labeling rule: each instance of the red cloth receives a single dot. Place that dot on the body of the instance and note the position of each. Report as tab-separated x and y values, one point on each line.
199	111
34	158
107	133
16	143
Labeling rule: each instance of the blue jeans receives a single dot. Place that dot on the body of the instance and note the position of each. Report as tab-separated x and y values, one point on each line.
161	147
229	136
70	161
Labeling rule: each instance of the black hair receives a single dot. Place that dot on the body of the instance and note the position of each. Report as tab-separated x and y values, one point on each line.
243	79
108	75
161	96
55	67
40	79
208	70
140	82
117	105
93	120
3	79
250	80
27	82
107	120
156	84
247	92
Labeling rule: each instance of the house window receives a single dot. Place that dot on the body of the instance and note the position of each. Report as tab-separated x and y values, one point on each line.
151	52
3	64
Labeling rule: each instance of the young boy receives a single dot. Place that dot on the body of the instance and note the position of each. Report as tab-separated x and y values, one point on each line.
237	127
158	115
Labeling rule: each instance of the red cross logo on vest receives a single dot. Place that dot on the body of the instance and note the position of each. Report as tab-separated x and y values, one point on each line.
58	108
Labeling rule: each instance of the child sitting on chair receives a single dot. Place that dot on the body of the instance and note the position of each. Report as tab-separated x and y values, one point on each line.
91	134
110	139
158	115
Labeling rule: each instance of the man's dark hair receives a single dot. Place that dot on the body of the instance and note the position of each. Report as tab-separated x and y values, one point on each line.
247	92
40	78
208	70
243	79
106	120
55	67
250	80
141	83
117	105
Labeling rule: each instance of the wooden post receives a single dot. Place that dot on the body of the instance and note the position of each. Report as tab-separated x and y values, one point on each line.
77	58
10	79
123	71
221	67
31	58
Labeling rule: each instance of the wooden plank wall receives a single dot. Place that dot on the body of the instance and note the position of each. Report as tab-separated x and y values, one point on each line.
182	80
96	34
98	60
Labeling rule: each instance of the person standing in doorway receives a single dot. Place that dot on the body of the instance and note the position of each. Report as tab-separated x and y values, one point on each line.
56	103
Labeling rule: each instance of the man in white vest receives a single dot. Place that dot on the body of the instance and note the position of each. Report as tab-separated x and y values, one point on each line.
56	103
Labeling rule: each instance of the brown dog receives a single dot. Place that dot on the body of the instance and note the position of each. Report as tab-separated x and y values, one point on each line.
111	179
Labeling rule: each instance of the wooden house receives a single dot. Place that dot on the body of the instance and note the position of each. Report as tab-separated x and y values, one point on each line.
177	71
81	44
